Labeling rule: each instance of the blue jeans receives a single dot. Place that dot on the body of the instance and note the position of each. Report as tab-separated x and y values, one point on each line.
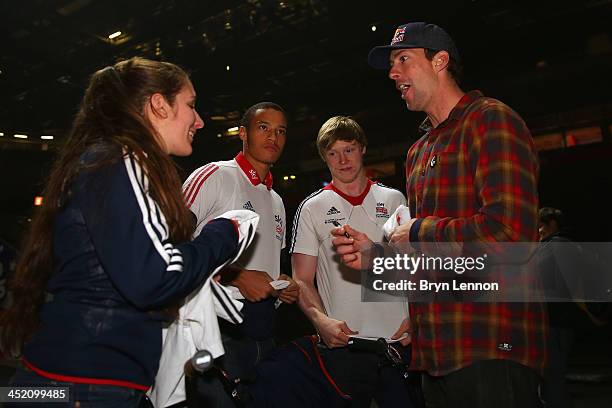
87	395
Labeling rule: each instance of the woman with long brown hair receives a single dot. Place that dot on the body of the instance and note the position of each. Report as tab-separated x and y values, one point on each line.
110	247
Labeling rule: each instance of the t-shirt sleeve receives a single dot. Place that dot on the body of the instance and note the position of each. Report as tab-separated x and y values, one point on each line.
202	192
284	242
396	199
304	239
401	199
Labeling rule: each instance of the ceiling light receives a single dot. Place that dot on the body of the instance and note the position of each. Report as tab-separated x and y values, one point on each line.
227	67
18	136
38	201
1	134
292	177
286	178
233	129
46	137
373	28
114	35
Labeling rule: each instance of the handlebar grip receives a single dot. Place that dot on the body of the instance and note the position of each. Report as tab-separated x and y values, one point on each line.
202	361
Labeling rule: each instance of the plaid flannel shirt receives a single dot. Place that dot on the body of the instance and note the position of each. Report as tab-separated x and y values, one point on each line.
473	178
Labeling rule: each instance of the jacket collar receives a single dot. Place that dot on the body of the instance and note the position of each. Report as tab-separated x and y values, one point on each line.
250	172
465	101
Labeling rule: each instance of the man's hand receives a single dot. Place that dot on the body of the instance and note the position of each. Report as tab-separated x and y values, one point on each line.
404	328
334	333
254	285
291	293
401	234
349	248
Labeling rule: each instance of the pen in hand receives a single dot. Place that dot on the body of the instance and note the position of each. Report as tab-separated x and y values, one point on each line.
337	224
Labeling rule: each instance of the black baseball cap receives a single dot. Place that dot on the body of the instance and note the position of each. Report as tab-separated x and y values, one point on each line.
414	35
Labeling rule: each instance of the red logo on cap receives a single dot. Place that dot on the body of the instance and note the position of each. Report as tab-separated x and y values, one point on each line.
399	35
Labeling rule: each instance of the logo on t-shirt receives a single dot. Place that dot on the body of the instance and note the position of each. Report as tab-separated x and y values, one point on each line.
333	211
280	227
248	206
381	211
333	221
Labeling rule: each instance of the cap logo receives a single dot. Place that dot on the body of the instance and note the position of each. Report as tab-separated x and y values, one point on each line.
399	35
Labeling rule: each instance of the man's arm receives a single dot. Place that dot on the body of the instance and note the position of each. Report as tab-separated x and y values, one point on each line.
334	333
254	285
291	293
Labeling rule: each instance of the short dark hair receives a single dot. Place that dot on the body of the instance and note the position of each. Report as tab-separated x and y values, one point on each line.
250	112
548	214
454	67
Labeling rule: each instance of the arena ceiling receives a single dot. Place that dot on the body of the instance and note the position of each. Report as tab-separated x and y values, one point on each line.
540	56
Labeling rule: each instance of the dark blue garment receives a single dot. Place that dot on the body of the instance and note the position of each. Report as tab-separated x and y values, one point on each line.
114	265
8	258
245	345
87	395
259	319
294	376
242	355
307	374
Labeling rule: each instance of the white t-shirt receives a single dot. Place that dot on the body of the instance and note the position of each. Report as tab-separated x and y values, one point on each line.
221	186
338	285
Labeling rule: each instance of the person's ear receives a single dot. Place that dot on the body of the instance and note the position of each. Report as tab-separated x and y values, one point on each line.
554	225
242	133
159	105
440	60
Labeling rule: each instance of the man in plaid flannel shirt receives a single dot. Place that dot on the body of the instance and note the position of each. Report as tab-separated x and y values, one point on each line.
471	177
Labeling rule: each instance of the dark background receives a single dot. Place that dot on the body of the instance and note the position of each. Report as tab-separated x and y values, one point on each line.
549	60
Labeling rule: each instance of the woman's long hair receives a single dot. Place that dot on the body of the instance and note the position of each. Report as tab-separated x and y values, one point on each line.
111	114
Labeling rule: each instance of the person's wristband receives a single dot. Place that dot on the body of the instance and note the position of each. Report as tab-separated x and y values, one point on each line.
413	235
